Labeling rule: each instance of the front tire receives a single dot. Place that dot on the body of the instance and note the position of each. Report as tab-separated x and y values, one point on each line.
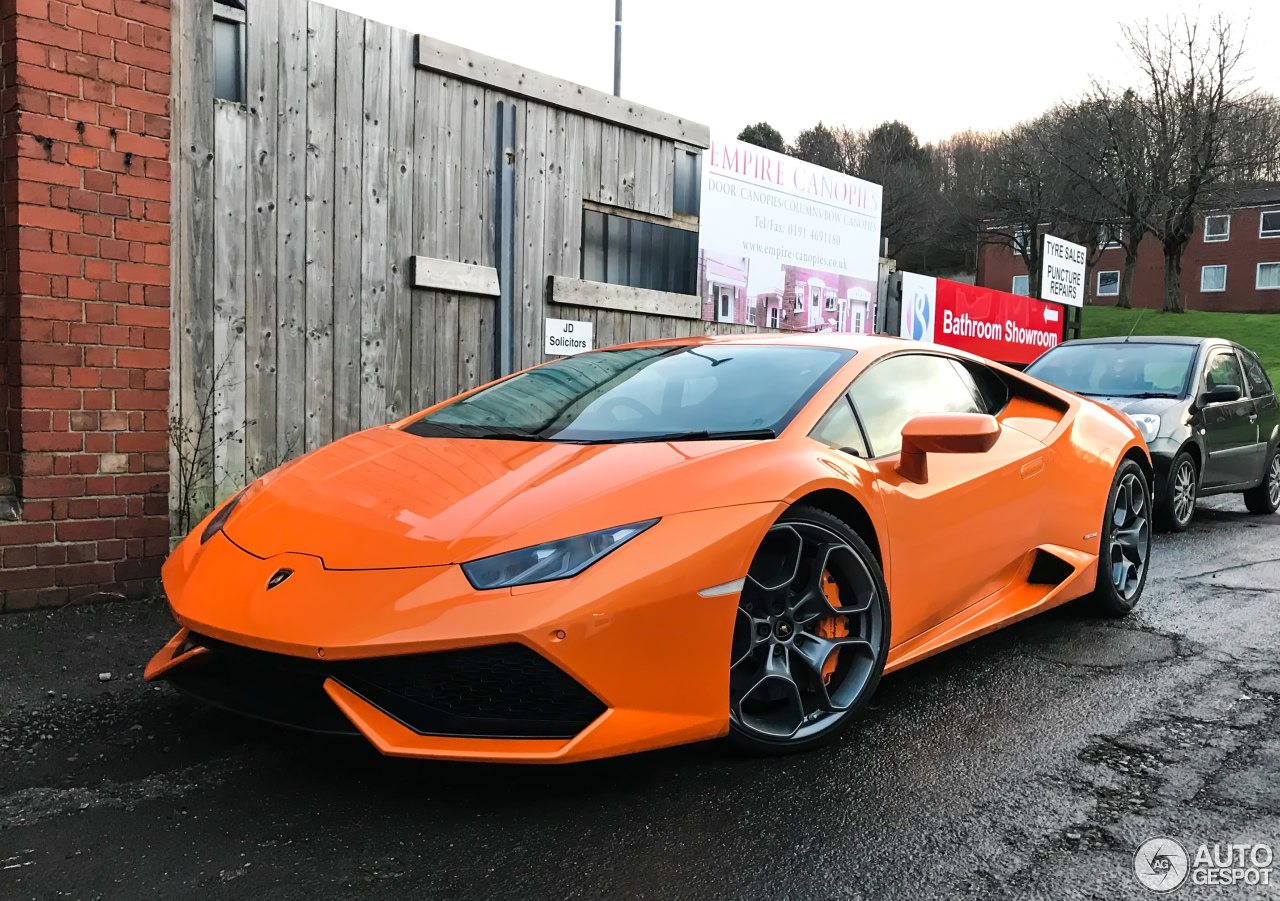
1178	503
1124	548
1266	497
811	636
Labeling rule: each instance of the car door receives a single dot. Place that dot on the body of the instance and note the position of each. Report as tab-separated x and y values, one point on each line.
1231	429
1265	407
962	534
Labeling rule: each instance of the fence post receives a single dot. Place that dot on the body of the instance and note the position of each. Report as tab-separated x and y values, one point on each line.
505	215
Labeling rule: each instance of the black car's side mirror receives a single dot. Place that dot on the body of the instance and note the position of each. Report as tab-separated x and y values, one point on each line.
1221	394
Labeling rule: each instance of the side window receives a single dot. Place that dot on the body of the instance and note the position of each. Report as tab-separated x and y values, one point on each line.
992	392
839	429
1224	369
901	387
1259	384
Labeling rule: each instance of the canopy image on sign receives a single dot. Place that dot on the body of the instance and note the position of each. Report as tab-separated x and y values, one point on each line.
1062	272
1008	328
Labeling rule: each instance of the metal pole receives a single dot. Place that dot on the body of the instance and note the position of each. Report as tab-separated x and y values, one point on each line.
617	48
505	202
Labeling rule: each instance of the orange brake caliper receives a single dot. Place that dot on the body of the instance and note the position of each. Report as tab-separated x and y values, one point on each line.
831	626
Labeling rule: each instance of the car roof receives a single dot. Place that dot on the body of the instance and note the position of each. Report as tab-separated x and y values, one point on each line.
1149	339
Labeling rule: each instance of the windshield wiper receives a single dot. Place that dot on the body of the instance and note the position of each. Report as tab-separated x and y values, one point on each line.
702	435
1144	395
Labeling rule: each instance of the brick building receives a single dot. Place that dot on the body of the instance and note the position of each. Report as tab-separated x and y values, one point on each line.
1231	265
84	320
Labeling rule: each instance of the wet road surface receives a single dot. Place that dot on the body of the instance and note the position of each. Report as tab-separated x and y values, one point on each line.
1028	764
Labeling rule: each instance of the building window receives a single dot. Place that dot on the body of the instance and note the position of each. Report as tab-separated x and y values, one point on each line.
831	301
228	50
688	187
1109	283
815	296
1020	285
1213	278
1217	228
1268	276
773	317
1110	237
1269	224
799	299
1021	241
623	251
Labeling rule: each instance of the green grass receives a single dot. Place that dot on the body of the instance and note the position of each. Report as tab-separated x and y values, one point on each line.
1260	332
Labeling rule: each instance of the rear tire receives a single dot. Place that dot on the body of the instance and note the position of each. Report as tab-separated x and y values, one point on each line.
1266	497
1178	500
811	636
1124	543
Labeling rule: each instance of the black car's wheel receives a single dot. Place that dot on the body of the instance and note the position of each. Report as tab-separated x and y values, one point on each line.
1178	503
1266	497
1124	542
811	636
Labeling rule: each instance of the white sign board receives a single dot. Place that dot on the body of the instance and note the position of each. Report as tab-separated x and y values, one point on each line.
1062	272
786	244
566	337
919	306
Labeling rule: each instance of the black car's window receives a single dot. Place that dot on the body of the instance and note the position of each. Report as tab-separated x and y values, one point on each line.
644	393
1117	369
1224	369
1259	384
896	389
839	429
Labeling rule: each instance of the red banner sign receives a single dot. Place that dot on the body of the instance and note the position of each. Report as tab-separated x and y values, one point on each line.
1006	327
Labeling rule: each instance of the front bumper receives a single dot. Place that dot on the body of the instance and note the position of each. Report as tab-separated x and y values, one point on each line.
624	657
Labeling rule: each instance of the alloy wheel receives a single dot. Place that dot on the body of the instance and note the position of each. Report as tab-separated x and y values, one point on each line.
1130	535
1273	481
1184	492
808	634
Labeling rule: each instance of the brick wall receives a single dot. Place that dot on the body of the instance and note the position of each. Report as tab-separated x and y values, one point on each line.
1241	254
85	162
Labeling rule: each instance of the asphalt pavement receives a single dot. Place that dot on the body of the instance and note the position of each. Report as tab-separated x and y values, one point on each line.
1029	764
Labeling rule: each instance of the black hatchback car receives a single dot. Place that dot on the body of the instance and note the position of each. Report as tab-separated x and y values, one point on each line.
1205	406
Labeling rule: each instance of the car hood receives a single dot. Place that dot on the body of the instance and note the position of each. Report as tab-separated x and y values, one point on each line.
1131	405
383	498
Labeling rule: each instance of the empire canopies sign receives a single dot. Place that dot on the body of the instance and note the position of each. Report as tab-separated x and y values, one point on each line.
1062	271
786	244
1006	327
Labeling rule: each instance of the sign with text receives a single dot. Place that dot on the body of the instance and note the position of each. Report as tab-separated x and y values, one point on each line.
786	244
997	325
566	337
1062	271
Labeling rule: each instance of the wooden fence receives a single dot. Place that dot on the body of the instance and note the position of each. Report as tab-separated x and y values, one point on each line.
298	212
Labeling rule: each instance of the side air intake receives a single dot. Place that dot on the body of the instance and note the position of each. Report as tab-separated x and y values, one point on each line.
1049	570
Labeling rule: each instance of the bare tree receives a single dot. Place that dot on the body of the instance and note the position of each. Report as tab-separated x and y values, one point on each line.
1103	143
1202	125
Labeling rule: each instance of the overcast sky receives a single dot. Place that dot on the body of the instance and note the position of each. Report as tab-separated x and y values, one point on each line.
940	67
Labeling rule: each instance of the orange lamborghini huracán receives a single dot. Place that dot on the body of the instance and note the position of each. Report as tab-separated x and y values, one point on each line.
656	543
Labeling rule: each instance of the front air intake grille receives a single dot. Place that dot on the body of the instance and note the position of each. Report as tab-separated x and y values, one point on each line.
497	691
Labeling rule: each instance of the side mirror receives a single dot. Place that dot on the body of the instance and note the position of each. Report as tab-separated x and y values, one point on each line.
1221	394
944	433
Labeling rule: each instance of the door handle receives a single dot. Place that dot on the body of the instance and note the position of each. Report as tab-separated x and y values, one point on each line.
1253	417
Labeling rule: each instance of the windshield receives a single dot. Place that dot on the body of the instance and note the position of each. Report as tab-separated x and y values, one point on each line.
645	393
1117	370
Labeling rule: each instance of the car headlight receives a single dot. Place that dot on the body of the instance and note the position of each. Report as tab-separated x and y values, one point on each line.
1148	424
553	560
220	518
